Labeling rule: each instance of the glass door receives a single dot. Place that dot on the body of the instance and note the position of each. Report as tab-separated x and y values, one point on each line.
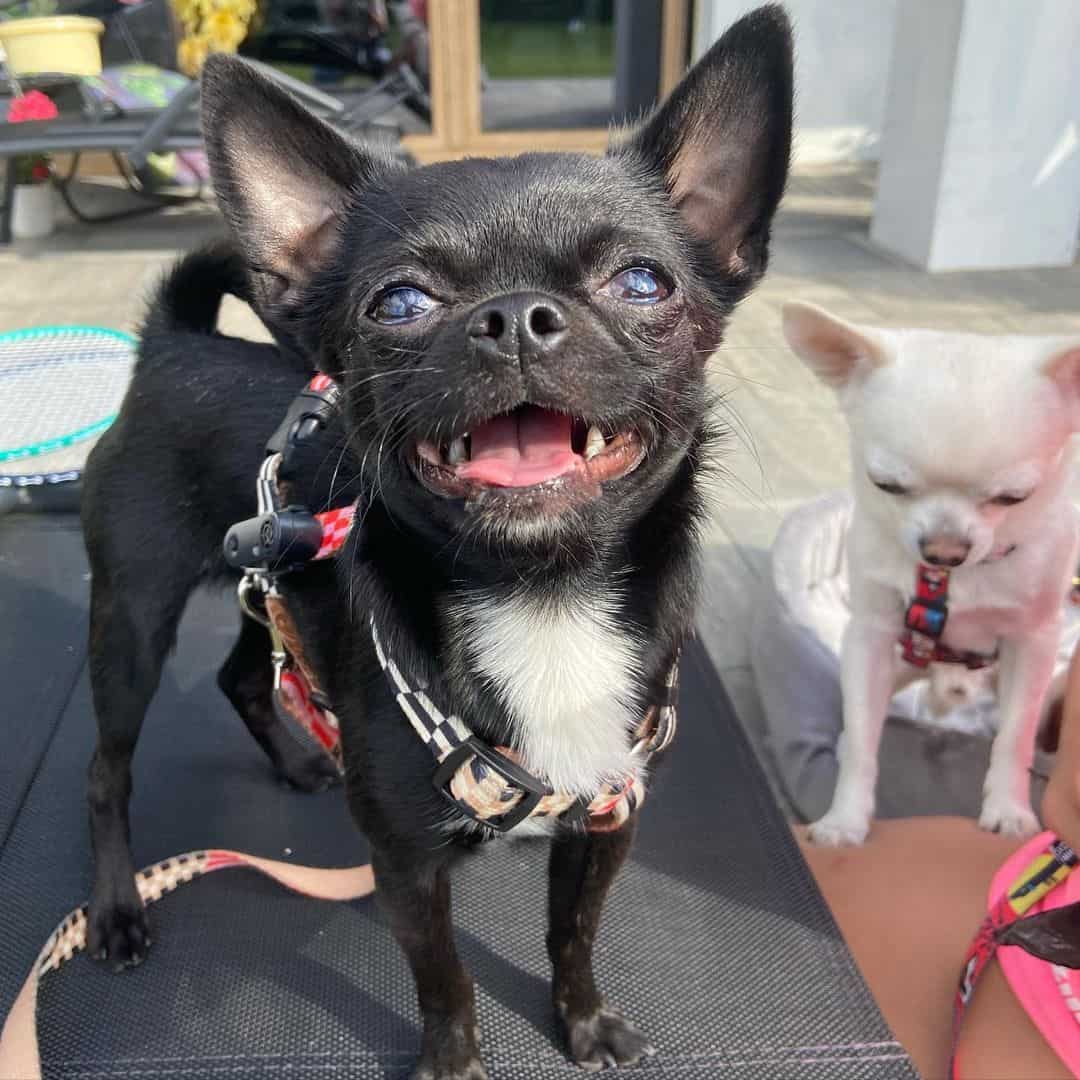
509	76
549	64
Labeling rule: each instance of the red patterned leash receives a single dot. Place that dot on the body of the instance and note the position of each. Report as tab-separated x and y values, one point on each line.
295	693
19	1054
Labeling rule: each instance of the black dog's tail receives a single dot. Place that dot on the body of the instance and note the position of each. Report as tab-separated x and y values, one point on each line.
189	295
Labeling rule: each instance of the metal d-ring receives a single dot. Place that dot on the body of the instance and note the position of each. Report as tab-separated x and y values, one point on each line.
266	489
248	583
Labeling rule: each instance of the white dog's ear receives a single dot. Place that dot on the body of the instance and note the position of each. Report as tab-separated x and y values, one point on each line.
834	350
1063	366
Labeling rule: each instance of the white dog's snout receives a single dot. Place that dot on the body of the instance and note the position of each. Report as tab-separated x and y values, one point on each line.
945	530
944	549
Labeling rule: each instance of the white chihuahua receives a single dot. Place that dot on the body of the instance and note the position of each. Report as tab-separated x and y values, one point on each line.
963	539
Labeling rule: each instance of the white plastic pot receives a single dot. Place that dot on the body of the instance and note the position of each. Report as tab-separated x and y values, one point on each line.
56	44
33	213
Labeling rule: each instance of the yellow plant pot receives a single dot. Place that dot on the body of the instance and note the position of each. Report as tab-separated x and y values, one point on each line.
60	44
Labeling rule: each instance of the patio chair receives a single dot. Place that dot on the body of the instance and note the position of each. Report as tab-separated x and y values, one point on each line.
715	939
92	119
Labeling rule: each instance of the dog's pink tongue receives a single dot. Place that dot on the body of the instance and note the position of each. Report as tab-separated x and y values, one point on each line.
524	448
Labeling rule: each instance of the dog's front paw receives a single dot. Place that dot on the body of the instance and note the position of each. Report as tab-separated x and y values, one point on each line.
604	1037
1009	817
437	1070
450	1053
117	930
839	830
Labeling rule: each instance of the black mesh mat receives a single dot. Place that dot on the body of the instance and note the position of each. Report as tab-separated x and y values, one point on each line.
715	939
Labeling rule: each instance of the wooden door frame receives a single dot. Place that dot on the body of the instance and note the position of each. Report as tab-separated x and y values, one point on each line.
457	128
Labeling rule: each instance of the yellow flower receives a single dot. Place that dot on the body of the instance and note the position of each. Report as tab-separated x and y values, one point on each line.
189	12
224	30
191	54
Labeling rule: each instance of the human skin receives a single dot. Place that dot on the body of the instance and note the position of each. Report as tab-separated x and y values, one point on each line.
909	902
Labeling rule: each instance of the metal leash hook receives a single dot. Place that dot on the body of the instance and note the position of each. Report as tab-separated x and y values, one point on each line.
254	583
257	545
276	540
278	656
266	484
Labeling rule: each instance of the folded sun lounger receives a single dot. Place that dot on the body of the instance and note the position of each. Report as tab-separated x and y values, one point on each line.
715	940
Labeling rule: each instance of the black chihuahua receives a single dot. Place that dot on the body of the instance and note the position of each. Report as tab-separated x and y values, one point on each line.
521	346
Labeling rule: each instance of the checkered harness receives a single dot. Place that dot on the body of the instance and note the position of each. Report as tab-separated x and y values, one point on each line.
488	784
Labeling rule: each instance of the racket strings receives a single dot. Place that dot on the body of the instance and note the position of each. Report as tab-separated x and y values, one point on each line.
60	389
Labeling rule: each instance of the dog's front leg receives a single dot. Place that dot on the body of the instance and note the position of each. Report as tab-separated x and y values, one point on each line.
868	676
582	869
1024	672
417	899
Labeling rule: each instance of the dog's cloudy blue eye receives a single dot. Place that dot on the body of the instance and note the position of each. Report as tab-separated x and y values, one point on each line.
400	305
637	285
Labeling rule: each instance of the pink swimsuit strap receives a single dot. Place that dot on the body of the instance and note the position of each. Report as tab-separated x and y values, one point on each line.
1037	877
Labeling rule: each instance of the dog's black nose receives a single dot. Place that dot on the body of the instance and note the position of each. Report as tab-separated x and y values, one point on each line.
944	550
518	326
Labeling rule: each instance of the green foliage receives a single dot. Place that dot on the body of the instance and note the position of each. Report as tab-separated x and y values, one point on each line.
519	50
28	9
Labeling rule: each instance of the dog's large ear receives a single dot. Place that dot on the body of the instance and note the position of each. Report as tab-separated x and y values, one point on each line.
281	175
834	350
722	140
1053	936
1063	366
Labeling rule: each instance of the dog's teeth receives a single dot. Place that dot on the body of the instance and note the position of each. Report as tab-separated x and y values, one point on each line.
429	452
594	443
456	454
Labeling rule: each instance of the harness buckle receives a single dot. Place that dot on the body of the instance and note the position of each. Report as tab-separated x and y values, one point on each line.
534	789
926	618
310	411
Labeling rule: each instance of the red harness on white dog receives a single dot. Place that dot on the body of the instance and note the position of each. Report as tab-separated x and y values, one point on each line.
924	623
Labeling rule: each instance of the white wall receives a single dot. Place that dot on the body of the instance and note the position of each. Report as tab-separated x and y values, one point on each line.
981	168
841	69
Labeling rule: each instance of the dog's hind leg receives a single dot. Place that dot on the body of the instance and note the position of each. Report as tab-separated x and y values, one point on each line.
246	679
131	631
581	871
417	899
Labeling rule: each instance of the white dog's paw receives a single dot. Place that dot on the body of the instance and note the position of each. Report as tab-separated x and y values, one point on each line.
1009	817
839	830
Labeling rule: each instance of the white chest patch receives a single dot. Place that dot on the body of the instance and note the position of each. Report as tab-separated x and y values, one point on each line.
566	675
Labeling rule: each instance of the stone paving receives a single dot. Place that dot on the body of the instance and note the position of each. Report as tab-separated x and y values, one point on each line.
787	440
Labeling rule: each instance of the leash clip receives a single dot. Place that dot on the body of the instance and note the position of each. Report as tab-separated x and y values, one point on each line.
275	540
253	584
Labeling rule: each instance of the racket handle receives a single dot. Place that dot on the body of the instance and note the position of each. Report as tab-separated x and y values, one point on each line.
274	541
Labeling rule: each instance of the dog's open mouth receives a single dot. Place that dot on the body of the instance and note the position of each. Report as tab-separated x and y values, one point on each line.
527	448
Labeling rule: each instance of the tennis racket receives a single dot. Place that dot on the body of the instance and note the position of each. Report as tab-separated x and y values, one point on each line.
60	389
